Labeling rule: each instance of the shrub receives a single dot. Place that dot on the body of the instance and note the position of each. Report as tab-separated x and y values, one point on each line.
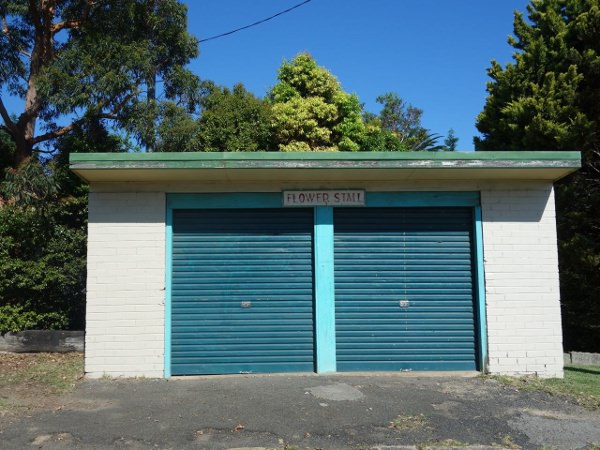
42	256
17	318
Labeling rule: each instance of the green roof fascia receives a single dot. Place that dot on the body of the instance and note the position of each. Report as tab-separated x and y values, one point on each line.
257	160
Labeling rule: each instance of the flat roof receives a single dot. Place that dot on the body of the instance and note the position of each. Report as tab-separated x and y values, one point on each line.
326	166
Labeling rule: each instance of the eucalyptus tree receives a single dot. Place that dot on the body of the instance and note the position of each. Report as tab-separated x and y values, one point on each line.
74	61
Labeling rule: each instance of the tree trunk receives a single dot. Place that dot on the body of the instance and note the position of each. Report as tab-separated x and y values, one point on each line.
23	151
151	99
23	131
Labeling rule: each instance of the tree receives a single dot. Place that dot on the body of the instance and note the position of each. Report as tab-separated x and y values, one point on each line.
402	119
377	139
177	130
234	120
450	141
549	99
43	223
80	60
311	111
42	249
398	126
7	149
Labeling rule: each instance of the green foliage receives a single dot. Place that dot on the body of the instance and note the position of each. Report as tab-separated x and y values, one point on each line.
86	137
578	214
233	120
43	217
378	140
303	124
17	318
404	121
549	99
96	60
397	128
42	253
428	143
43	225
7	149
311	111
302	77
450	141
177	131
29	186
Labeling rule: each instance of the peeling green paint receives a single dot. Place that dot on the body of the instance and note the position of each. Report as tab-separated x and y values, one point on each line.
84	164
326	156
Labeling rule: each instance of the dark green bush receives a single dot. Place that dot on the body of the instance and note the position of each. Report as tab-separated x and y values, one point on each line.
18	318
42	252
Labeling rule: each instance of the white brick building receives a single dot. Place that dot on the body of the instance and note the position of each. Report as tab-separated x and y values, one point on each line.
447	262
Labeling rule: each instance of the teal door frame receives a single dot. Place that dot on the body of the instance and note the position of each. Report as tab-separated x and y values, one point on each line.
324	283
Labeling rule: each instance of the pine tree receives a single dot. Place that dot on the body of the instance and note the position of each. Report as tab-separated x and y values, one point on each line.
549	99
450	141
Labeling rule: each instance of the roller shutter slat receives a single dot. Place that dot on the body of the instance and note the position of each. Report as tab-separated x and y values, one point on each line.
223	258
384	256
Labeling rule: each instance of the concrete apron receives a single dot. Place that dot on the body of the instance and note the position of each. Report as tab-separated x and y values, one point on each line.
334	412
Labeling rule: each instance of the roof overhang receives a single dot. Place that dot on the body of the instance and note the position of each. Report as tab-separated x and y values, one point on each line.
323	166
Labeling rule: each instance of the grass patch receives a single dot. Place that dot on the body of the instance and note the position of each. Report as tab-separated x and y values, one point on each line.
36	380
507	441
58	371
407	423
581	384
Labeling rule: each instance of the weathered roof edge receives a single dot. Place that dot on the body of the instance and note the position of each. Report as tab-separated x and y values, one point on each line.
346	166
315	160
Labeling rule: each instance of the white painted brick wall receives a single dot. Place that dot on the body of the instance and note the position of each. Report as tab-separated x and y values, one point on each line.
126	276
125	286
521	273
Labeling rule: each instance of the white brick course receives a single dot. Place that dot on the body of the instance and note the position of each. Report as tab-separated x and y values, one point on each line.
125	288
126	274
521	273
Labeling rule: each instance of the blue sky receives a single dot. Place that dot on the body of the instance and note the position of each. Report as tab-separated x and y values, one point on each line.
434	53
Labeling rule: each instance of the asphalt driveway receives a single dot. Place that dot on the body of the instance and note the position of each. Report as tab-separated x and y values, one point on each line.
304	412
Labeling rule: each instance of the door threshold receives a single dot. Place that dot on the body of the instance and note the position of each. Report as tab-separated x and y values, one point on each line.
389	374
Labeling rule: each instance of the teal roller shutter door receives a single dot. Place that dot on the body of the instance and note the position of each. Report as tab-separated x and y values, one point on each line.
404	289
242	298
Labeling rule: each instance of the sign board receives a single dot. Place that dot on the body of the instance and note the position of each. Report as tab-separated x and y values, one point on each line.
324	198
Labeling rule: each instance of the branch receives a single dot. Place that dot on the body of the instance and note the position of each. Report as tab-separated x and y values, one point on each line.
109	115
592	165
56	133
74	23
6	31
45	152
66	129
35	15
6	117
